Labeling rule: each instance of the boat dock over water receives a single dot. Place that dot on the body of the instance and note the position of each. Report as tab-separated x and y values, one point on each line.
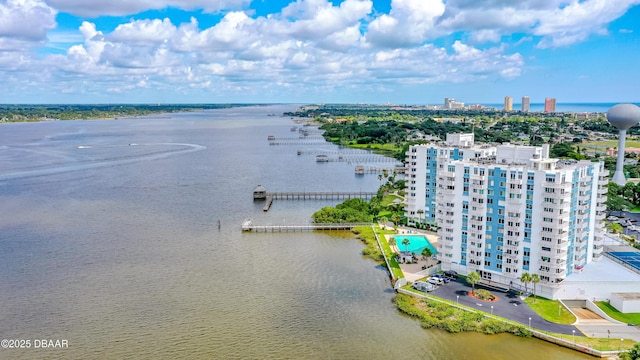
248	226
319	195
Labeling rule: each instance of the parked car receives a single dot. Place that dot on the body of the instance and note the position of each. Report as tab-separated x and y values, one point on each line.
441	277
435	281
612	218
451	274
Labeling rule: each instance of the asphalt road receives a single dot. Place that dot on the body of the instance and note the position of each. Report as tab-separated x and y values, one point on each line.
507	306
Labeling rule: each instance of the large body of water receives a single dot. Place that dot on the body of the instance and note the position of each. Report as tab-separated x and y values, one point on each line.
109	239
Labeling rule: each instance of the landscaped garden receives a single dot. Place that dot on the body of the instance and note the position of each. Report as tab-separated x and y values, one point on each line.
550	310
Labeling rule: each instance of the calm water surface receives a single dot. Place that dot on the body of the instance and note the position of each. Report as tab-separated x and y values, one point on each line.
109	239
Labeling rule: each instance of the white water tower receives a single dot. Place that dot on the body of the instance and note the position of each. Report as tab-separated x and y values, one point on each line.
622	117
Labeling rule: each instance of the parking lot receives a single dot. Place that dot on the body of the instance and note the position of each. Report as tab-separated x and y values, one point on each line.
508	305
622	217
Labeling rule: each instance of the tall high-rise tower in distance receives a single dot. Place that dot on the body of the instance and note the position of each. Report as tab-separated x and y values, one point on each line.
525	104
448	102
508	103
550	105
622	117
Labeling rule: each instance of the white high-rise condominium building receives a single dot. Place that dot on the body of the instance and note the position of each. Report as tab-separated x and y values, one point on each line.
423	162
512	209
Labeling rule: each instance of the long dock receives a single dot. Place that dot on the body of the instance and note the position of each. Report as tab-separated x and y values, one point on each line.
320	195
293	142
248	226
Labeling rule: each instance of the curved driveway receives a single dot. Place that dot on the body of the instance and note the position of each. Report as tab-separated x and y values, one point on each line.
509	305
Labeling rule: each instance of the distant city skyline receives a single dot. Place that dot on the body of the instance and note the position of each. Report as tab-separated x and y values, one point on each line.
317	51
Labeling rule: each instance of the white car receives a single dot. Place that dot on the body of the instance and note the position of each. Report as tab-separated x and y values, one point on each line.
612	218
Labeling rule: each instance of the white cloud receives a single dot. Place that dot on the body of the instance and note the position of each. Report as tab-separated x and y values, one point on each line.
557	22
308	44
95	8
28	20
410	22
144	31
578	20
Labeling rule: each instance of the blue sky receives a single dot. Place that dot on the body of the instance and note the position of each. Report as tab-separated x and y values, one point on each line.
309	51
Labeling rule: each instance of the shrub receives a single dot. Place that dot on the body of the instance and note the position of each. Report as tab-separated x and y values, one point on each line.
491	326
484	294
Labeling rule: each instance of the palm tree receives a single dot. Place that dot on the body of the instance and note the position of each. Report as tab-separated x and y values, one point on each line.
535	278
426	254
392	241
420	213
473	278
384	220
406	243
396	220
380	177
525	278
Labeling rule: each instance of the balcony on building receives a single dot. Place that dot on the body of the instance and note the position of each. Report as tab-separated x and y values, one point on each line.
603	181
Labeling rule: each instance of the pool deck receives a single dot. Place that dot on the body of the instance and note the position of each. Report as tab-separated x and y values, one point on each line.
413	272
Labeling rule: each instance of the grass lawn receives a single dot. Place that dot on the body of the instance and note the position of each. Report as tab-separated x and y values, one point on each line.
395	267
602	344
635	209
611	143
383	147
388	199
548	309
630	318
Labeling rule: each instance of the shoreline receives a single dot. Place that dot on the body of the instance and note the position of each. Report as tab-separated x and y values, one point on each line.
43	113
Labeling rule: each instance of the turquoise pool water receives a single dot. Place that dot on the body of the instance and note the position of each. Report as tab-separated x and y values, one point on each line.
417	243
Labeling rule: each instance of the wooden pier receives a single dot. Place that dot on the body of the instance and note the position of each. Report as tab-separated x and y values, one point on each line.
377	170
301	137
267	205
305	195
248	226
293	142
334	152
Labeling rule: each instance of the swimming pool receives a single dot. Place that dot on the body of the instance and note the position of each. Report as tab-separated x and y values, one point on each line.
417	243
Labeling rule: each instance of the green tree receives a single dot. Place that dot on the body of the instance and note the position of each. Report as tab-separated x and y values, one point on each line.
614	227
420	213
406	243
392	241
426	253
473	278
535	278
396	220
633	354
525	278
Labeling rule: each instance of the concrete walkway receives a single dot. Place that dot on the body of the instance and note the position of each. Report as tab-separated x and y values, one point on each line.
613	331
